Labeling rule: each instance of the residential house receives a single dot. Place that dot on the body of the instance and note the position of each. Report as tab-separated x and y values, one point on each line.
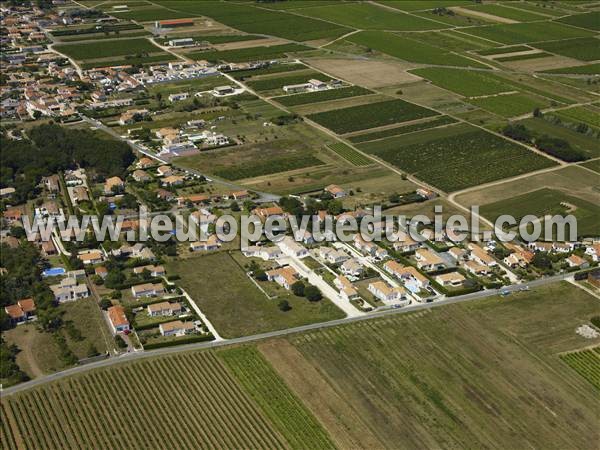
476	268
155	271
164	309
563	247
112	184
480	256
458	253
91	257
283	276
347	290
132	116
428	260
176	328
382	291
22	310
335	191
101	271
411	275
48	248
292	248
118	319
164	171
69	290
369	248
145	163
577	261
239	195
80	194
163	194
173	180
141	176
148	290
264	213
263	252
453	279
211	243
332	255
594	252
352	267
406	244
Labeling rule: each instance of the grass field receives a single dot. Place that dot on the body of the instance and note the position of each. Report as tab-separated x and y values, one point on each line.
586	363
419	5
349	154
589	20
249	54
593	165
589	69
502	50
397	131
149	14
366	16
250	19
93	50
456	157
507	12
266	167
371	115
584	49
280	405
523	57
235	306
447	377
546	201
510	105
403	47
162	401
522	33
579	114
322	96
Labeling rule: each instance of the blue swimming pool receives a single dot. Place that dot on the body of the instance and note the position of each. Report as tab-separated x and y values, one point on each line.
53	272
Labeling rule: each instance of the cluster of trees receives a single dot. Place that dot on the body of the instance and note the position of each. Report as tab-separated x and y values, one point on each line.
53	148
294	206
556	147
10	373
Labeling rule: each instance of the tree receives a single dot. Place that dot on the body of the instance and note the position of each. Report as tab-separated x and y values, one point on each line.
335	207
537	112
313	294
542	260
119	342
284	305
105	303
234	206
114	279
298	288
260	275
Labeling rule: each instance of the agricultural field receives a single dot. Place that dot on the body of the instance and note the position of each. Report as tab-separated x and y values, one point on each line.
351	155
584	49
456	157
593	165
322	96
212	38
397	131
94	50
274	83
547	201
431	375
586	363
280	405
408	49
502	50
233	303
372	115
366	16
506	12
464	82
522	33
589	20
249	54
538	55
510	105
420	5
278	68
250	19
579	114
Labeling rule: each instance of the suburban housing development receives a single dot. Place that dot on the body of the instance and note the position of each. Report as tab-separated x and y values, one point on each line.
482	333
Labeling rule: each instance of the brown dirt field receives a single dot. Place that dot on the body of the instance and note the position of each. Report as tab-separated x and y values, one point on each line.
313	108
539	64
341	421
367	73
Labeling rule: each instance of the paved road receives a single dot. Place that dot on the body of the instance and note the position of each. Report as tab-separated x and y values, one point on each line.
247	339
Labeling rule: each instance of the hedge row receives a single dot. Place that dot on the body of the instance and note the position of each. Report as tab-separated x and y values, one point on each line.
190	340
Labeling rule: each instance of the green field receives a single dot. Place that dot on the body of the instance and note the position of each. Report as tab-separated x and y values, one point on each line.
249	54
235	306
593	165
372	115
546	201
464	82
501	50
282	407
507	12
93	50
269	84
436	122
406	48
128	60
522	33
322	96
266	167
419	5
456	157
523	57
349	154
589	69
589	20
510	105
149	14
586	363
367	16
278	68
250	19
212	38
584	49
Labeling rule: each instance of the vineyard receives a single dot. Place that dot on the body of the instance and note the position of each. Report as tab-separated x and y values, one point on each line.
183	401
586	363
437	122
265	167
350	154
372	115
249	54
263	384
322	96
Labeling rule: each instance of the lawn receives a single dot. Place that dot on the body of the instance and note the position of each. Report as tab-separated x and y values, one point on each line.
464	82
456	157
403	47
510	105
322	96
585	49
397	131
249	54
367	16
447	377
546	201
93	50
371	115
522	33
234	305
